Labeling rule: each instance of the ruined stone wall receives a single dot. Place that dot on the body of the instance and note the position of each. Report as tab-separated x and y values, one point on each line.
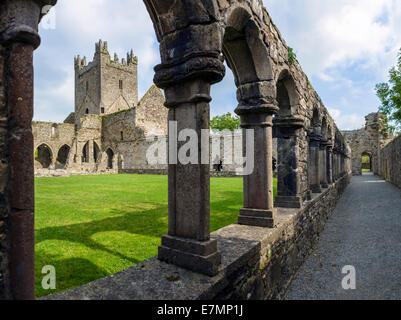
302	96
53	135
122	136
367	141
258	263
4	206
390	158
151	114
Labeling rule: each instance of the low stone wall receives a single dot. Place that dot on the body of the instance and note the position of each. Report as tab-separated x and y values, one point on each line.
216	174
257	263
390	162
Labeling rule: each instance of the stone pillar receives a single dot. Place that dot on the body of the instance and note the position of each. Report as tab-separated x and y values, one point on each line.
329	165
188	242
314	163
19	38
90	152
288	131
256	111
323	164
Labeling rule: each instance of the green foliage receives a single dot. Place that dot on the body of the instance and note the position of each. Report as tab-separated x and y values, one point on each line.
389	94
291	56
225	122
365	159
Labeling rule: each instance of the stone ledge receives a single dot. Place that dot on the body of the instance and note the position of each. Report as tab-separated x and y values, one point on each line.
249	255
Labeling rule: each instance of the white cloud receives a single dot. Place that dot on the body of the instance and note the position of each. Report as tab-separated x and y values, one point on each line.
331	38
348	121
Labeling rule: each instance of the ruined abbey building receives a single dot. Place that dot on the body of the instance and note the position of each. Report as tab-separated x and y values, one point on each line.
368	141
108	129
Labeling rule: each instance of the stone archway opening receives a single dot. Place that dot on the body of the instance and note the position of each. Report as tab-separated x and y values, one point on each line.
110	158
85	153
43	156
366	162
287	130
62	157
96	152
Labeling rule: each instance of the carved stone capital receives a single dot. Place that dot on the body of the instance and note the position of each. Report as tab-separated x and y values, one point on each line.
19	20
285	127
256	98
202	65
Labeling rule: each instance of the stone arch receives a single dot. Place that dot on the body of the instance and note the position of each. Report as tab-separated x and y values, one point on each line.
243	47
324	128
85	153
187	71
62	156
44	155
287	130
96	152
316	123
287	95
369	165
110	158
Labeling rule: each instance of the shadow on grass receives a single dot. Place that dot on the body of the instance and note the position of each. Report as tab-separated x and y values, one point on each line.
151	223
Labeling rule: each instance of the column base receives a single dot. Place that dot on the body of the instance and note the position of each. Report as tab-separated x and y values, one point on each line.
288	202
258	218
316	188
199	256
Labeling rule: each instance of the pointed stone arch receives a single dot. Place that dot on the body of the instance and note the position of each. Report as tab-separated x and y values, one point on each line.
110	158
62	156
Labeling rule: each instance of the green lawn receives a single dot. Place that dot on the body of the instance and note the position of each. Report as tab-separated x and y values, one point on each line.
89	227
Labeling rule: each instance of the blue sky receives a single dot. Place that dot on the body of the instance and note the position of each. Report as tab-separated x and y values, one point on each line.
344	46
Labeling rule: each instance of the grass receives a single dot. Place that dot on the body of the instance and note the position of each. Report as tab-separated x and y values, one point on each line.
89	227
366	170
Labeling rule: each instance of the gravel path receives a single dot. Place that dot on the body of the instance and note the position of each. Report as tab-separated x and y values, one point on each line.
365	232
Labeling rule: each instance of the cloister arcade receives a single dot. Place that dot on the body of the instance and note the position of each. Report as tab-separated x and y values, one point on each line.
275	98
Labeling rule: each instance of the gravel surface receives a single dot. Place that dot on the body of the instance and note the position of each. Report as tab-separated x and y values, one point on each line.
365	232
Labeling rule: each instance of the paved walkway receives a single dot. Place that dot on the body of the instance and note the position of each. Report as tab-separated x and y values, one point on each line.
365	232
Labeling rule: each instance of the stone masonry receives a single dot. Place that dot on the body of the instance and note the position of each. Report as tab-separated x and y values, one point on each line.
368	141
275	99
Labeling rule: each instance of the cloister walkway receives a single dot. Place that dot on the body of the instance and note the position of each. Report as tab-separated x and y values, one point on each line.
365	232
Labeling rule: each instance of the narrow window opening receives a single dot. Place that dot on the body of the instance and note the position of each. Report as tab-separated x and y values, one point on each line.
120	84
122	135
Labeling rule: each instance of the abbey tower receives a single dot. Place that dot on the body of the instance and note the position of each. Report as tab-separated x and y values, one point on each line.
105	86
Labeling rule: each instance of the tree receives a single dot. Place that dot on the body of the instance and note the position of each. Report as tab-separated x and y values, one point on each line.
225	122
389	94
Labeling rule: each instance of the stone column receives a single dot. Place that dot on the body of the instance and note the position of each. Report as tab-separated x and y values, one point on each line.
90	152
188	242
19	38
329	166
256	111
323	164
314	163
288	132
